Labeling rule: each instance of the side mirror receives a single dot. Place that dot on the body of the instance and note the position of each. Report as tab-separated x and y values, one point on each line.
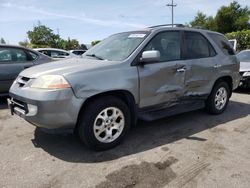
150	56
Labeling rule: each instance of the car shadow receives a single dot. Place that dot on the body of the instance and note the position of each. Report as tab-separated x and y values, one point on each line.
3	103
145	136
242	90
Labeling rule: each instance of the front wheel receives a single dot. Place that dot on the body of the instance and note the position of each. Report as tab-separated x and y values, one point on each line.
218	99
104	123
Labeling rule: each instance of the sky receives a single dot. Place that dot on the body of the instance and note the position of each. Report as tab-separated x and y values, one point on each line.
88	20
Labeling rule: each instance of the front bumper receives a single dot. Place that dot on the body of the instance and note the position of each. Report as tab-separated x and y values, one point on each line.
51	109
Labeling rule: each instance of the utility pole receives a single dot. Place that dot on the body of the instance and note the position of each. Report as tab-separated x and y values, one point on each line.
172	5
58	31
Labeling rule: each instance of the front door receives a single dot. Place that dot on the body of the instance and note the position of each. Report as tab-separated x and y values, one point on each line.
12	62
163	83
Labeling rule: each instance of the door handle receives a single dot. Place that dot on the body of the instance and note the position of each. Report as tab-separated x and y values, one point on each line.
217	66
181	70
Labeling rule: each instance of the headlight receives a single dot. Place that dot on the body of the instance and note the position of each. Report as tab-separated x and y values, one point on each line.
246	74
50	82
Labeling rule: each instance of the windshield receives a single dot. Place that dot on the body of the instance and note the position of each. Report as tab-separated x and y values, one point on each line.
116	47
244	56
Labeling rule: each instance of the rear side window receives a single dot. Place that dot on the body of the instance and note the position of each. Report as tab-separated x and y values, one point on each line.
12	55
32	55
222	43
58	54
45	52
197	46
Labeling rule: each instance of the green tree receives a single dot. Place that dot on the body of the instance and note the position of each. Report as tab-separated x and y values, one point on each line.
228	19
204	21
72	44
199	20
242	37
83	47
95	42
24	43
232	18
69	44
2	41
42	36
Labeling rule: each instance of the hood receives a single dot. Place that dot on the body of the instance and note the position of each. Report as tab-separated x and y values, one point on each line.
244	66
64	67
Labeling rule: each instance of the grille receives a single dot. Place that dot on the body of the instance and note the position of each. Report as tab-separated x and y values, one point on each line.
21	105
22	81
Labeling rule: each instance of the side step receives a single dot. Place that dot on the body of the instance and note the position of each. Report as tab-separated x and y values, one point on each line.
173	110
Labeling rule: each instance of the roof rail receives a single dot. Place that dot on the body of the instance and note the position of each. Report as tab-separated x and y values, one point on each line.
167	25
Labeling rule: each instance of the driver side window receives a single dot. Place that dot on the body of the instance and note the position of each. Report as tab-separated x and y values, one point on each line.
168	44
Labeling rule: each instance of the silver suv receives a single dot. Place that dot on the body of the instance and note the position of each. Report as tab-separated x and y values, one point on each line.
147	74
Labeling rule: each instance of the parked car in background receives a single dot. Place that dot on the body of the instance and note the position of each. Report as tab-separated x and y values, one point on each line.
56	53
14	59
147	74
78	52
244	58
233	43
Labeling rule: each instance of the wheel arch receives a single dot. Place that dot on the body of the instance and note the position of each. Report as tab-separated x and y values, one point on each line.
123	95
228	80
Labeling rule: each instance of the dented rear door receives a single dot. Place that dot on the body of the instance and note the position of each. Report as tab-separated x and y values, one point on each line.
200	56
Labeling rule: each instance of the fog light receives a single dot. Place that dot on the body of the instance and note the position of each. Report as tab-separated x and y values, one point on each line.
32	110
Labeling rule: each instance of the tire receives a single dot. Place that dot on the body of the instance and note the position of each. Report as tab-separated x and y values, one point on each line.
104	123
217	102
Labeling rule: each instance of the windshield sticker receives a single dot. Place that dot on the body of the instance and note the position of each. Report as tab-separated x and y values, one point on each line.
137	35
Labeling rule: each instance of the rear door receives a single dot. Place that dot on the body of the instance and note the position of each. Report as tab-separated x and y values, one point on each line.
200	56
12	62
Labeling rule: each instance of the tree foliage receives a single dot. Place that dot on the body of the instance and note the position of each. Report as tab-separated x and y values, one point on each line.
228	19
232	18
242	37
24	43
95	42
42	36
2	41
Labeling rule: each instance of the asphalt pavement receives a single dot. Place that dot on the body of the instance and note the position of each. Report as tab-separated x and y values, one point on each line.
194	149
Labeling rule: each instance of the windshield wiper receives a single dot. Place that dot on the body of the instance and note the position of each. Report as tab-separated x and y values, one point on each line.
93	55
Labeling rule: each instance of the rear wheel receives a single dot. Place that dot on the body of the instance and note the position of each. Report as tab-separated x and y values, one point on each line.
104	123
218	99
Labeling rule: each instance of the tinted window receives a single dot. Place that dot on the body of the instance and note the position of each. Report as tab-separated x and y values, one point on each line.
168	44
58	54
78	52
32	55
197	46
12	55
244	56
45	52
222	43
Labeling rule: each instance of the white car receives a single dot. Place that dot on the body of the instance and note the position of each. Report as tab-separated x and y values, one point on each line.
56	53
233	42
244	58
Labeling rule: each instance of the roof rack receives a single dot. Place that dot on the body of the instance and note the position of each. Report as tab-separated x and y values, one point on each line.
167	25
